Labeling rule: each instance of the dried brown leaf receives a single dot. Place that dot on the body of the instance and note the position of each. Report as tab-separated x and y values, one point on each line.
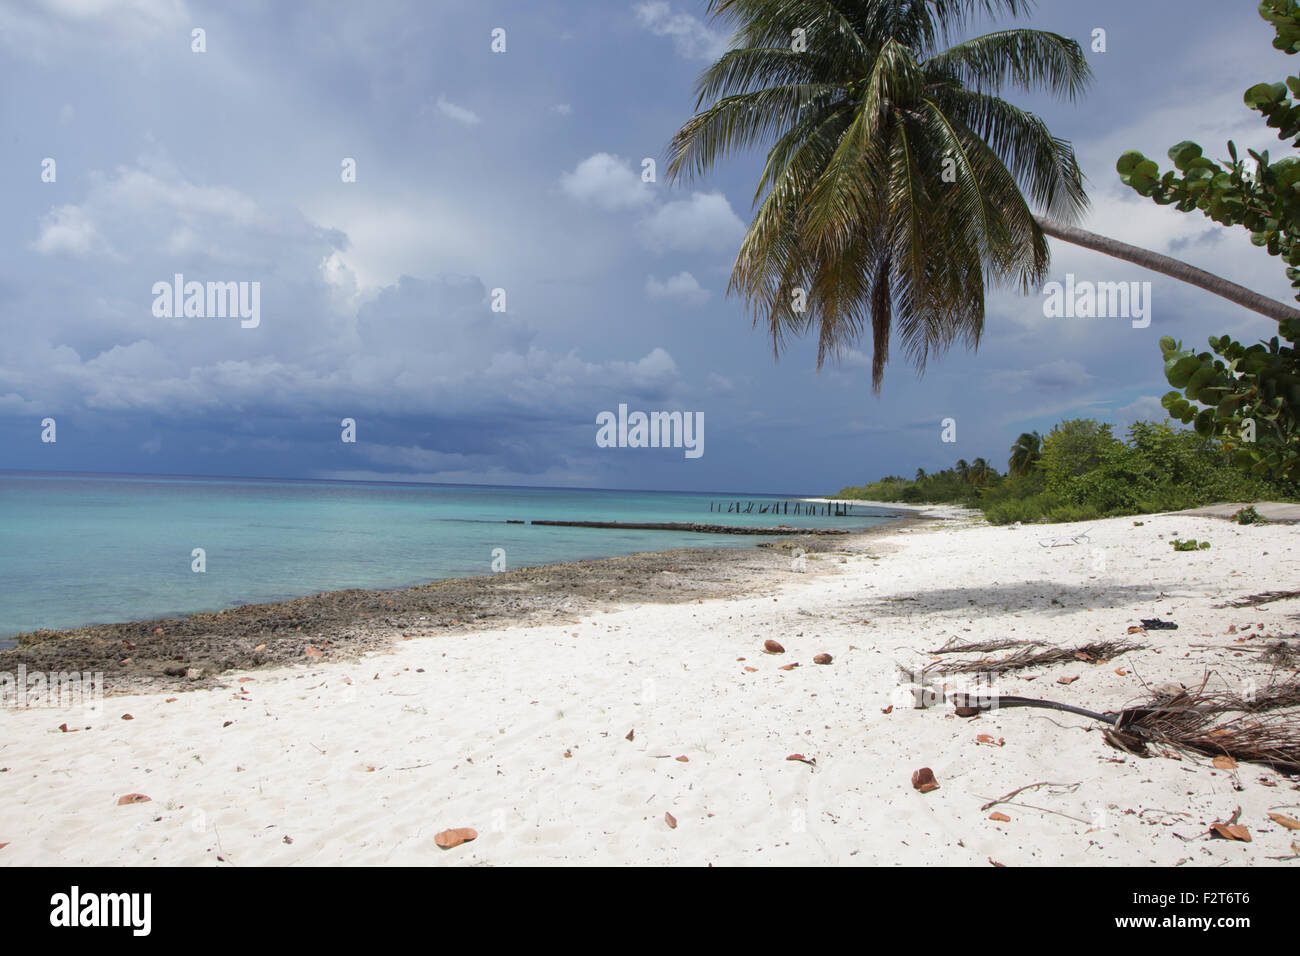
1229	831
923	780
455	837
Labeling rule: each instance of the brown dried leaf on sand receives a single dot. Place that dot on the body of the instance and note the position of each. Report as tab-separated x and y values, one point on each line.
923	780
1230	829
455	837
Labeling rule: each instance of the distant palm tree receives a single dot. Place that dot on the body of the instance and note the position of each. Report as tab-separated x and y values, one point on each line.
1025	453
920	474
892	191
979	471
963	469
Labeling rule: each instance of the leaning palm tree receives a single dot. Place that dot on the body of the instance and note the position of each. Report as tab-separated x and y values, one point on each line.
898	183
1025	453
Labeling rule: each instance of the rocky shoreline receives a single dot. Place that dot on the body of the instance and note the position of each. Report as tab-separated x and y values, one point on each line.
178	653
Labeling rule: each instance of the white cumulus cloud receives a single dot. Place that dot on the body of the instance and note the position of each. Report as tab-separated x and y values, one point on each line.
71	230
608	182
683	286
703	223
691	38
461	115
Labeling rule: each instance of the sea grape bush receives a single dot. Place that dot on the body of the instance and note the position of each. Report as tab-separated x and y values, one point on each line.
1285	17
1264	199
1248	395
1251	397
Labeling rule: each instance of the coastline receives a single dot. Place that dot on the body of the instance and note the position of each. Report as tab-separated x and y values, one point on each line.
566	742
135	656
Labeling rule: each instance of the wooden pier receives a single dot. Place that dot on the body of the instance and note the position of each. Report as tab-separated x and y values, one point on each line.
831	509
688	526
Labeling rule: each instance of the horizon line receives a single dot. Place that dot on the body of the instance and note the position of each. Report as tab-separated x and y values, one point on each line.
23	472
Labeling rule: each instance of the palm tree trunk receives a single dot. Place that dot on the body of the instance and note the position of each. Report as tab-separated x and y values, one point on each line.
1173	268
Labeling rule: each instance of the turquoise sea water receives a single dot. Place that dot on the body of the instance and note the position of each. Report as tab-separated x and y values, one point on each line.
80	549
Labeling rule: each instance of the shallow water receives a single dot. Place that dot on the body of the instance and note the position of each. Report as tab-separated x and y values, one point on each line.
77	549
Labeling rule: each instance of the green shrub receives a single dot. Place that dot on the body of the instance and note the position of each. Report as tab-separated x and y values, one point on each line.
1065	513
1074	448
1085	472
1248	515
1011	510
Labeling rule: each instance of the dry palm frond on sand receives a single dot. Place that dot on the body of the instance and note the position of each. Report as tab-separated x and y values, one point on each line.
1275	696
982	647
1095	653
1267	597
1245	728
1280	654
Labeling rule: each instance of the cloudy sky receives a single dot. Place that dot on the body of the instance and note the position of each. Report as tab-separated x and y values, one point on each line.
520	171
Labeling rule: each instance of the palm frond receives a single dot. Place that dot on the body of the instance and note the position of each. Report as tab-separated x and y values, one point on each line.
734	122
1029	60
1043	163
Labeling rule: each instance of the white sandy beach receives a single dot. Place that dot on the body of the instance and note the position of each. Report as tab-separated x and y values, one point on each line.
521	733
